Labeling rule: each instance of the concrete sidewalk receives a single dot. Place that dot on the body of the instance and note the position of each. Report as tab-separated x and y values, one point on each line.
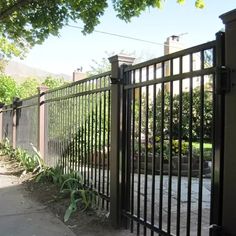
21	216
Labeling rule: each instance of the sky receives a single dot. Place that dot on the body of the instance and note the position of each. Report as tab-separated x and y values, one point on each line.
74	50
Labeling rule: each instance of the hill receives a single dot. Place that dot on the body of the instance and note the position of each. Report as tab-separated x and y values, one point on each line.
20	72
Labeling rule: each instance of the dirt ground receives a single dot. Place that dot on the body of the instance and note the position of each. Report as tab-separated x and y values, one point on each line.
86	223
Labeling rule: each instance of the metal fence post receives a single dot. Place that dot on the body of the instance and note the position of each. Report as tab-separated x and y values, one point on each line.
229	179
41	120
14	120
1	121
219	111
117	64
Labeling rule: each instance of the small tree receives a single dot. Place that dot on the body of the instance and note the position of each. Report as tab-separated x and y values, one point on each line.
8	89
28	88
52	82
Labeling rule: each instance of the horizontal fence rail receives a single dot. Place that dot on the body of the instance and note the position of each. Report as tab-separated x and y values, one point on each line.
169	143
77	129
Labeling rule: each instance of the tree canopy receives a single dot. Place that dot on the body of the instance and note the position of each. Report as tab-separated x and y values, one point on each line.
29	22
9	88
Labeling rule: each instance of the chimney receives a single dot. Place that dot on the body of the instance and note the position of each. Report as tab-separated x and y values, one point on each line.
78	74
173	44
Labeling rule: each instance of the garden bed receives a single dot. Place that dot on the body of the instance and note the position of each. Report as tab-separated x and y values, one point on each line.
175	166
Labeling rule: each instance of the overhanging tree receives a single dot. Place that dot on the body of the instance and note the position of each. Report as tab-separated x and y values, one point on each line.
30	22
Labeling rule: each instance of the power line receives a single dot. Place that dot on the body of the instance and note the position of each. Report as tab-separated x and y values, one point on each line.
124	36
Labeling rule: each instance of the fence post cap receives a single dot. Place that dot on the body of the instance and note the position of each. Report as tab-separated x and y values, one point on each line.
42	88
16	99
123	58
15	102
118	62
2	104
228	16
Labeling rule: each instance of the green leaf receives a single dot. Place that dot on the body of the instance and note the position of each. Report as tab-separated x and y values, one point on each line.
39	177
72	208
71	183
159	3
181	2
200	4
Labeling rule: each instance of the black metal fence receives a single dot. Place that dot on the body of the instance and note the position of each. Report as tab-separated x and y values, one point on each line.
78	131
151	160
168	146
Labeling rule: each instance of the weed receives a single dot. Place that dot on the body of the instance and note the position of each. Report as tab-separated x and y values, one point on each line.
6	149
78	194
27	161
50	174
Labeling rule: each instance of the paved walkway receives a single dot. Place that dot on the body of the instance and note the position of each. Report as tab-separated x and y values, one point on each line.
20	216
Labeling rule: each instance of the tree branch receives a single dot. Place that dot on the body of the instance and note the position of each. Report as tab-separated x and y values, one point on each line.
10	9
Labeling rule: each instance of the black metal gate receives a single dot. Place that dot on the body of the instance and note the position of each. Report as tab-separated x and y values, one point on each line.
172	171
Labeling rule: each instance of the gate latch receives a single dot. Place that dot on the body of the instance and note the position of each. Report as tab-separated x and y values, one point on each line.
223	83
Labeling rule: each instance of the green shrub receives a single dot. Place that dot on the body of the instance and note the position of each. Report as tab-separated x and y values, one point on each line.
207	148
27	161
78	194
6	149
207	151
71	184
30	163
